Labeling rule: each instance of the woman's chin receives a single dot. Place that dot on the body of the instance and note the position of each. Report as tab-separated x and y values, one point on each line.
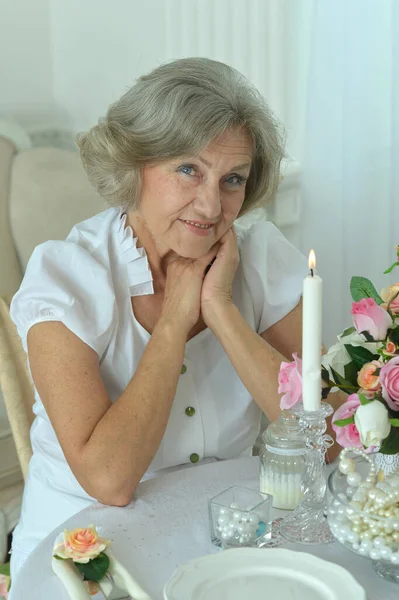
194	253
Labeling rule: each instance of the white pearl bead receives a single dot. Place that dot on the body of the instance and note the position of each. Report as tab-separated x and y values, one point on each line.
253	519
353	537
375	554
223	519
350	492
386	553
395	558
346	465
234	506
225	536
354	479
236	516
366	545
379	542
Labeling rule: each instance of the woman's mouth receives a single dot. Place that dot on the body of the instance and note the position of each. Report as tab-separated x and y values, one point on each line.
198	227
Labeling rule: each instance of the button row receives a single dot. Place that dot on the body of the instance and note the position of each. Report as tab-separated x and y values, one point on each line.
190	412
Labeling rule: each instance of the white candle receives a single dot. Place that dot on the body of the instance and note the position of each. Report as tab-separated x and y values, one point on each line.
312	337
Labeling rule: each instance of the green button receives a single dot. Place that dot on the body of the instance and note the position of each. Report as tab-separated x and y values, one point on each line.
194	458
190	411
183	369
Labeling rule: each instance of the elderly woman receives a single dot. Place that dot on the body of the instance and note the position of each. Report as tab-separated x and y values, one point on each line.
155	331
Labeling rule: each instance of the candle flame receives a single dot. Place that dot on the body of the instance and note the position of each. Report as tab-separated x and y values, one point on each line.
312	260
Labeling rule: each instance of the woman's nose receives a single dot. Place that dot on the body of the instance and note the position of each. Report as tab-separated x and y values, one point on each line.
208	201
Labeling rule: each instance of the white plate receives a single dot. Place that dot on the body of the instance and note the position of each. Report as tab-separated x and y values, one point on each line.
262	573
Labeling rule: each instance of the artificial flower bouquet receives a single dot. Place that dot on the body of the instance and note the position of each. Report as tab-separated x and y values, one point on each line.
364	364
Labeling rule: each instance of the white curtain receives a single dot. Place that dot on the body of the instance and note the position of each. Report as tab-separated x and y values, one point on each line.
351	148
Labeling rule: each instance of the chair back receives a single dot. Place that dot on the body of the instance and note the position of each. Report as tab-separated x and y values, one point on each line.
16	385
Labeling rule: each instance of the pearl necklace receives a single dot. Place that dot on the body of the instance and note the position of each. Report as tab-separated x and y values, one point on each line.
366	518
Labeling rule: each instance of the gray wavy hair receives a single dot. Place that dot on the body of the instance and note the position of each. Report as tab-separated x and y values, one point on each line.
178	109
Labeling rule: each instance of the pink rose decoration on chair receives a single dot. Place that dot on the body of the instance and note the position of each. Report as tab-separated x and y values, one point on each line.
389	377
290	382
349	434
369	317
4	586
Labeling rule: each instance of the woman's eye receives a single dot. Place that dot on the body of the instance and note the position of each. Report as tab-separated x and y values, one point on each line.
236	180
186	169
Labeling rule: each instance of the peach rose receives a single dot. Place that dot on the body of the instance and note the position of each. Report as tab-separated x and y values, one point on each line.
388	294
390	348
366	378
81	545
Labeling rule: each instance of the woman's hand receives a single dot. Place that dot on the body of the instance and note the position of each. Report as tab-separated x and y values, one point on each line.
182	296
218	282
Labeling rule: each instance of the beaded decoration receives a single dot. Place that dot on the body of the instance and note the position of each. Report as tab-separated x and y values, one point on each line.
366	517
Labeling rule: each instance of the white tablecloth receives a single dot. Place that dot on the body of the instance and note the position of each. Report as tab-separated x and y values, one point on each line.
166	526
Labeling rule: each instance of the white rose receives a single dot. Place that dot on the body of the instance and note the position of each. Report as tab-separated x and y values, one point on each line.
337	356
372	422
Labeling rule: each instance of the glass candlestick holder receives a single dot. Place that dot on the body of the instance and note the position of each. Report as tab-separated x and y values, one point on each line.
307	524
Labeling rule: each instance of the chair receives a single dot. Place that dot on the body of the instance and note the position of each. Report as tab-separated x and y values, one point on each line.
43	193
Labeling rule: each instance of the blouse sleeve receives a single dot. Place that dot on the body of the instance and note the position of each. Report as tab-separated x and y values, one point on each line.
64	282
273	270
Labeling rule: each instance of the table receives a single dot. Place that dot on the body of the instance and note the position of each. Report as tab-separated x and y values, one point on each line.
166	525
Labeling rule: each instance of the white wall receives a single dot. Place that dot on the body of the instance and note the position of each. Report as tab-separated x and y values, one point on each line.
66	61
25	57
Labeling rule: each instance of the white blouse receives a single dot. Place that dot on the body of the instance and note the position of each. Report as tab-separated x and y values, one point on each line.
86	282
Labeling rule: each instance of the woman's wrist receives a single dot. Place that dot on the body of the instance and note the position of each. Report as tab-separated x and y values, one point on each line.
216	312
171	327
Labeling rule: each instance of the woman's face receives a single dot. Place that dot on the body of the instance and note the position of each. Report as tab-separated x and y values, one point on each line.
188	204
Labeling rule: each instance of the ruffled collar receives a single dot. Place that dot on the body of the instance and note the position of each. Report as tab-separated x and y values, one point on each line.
138	269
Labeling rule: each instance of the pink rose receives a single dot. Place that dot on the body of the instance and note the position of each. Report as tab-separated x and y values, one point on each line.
366	378
368	316
389	377
4	585
290	382
388	295
81	545
349	434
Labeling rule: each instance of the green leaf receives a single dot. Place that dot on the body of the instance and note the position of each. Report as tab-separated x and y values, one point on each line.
351	371
95	569
394	422
348	331
391	268
361	287
368	336
325	375
360	355
342	383
363	399
391	444
5	569
394	335
343	422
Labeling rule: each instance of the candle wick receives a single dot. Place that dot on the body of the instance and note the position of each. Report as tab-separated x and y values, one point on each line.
311	273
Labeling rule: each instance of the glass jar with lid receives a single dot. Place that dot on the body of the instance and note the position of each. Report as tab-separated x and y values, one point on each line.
282	461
